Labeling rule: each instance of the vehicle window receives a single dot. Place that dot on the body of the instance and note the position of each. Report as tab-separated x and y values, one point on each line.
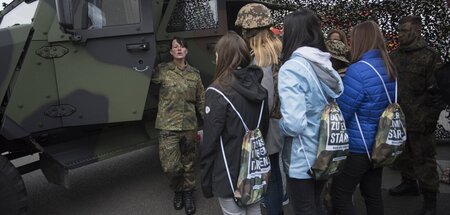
191	15
112	12
22	14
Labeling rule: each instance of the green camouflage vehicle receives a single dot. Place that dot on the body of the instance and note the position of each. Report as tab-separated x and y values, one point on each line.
75	79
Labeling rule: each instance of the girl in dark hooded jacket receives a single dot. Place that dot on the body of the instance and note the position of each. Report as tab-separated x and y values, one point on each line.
240	82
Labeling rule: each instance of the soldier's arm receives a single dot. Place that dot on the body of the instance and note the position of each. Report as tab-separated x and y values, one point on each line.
200	98
156	76
432	86
436	102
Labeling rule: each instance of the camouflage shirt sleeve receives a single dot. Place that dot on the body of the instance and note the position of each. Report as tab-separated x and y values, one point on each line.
435	98
156	76
200	94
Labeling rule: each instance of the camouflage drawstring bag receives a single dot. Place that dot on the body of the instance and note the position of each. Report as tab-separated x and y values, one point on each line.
333	144
391	132
254	169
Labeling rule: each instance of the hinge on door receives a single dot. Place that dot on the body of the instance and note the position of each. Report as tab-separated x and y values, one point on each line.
50	52
60	111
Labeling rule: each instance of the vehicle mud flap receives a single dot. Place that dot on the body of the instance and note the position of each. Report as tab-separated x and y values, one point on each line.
54	171
13	194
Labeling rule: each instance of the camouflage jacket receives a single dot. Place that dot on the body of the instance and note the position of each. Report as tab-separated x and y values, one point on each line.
181	95
416	65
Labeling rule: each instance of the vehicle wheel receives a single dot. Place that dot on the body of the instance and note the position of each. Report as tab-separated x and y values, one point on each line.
13	195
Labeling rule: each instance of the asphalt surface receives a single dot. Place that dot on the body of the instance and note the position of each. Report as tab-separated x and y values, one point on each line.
134	184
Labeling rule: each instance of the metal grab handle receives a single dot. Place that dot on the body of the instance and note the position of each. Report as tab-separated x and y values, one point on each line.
138	47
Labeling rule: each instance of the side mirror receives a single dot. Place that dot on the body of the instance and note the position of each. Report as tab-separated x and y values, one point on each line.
64	13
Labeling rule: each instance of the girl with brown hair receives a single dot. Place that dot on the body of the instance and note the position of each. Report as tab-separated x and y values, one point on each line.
240	82
370	84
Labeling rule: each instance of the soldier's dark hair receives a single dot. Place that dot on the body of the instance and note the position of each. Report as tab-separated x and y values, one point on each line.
367	36
414	20
180	41
301	28
232	53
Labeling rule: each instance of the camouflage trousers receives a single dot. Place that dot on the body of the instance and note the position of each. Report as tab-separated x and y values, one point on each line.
178	153
418	161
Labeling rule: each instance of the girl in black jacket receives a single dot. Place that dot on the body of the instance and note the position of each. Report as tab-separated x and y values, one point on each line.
241	85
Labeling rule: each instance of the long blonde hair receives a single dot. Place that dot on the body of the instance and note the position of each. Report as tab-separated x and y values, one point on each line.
265	46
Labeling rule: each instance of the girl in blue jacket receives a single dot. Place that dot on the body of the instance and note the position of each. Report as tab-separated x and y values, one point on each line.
366	97
306	71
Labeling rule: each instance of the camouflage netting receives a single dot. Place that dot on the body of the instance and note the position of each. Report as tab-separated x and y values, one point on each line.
343	14
193	15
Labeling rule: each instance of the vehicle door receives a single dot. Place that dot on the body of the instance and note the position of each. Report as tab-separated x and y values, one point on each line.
105	75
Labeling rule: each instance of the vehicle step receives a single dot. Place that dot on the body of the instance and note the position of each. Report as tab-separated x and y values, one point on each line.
105	144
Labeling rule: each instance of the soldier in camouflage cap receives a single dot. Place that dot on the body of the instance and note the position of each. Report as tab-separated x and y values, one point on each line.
254	15
181	97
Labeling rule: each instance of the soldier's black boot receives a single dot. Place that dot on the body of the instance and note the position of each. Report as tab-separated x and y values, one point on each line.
178	201
429	203
407	187
189	204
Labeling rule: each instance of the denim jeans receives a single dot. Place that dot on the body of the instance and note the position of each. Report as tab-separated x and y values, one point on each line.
357	169
273	199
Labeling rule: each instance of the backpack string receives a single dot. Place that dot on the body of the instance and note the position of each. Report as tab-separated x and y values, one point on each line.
390	101
314	78
325	98
226	164
246	130
232	106
304	153
363	139
384	85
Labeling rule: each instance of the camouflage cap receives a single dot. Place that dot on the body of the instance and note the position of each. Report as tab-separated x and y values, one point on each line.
254	15
337	49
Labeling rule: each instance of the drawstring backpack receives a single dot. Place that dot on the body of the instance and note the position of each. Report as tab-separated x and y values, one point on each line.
333	139
391	132
254	168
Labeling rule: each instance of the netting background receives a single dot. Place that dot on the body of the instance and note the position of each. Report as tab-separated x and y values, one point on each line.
343	14
191	15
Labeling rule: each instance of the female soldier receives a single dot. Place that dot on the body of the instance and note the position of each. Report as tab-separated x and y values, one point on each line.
181	95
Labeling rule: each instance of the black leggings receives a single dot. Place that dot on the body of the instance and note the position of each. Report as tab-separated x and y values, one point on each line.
357	170
304	195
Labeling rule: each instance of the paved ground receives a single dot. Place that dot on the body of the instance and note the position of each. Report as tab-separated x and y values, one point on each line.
134	184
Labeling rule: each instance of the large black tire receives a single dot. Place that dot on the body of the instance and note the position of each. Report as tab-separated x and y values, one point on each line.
13	195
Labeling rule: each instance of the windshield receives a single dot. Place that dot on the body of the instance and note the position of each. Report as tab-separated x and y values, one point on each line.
22	14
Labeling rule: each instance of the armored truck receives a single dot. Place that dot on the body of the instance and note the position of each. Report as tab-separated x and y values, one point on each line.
75	79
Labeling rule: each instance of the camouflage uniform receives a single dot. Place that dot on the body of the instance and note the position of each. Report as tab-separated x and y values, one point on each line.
416	65
181	95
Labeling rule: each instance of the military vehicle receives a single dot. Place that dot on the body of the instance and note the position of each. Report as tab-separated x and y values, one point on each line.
75	79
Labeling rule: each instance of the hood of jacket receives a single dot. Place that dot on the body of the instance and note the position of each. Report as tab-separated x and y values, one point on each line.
413	46
247	82
320	62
